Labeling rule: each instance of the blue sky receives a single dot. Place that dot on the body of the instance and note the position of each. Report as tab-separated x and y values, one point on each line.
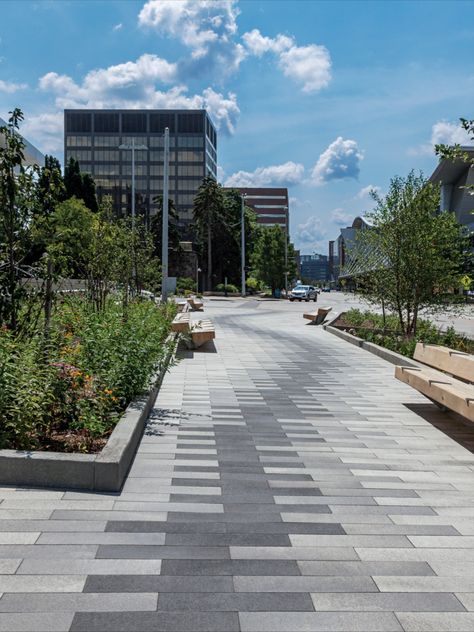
327	98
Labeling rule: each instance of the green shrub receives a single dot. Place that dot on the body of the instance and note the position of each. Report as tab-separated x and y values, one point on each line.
221	287
370	327
185	284
94	365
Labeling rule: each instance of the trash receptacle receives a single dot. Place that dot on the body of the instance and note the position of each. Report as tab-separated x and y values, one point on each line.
277	293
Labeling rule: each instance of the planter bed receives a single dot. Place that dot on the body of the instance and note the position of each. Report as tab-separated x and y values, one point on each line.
104	471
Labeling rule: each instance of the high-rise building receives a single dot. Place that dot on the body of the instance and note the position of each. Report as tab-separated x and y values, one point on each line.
314	267
270	205
93	137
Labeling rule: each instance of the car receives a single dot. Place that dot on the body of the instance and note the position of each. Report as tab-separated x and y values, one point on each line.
303	293
326	289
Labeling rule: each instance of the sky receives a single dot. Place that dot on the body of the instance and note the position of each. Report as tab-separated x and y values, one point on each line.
331	99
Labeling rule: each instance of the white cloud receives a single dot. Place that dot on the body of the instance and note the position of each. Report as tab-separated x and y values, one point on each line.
341	218
366	191
443	133
118	27
309	66
447	133
207	27
45	130
310	232
9	87
258	44
285	174
340	160
220	174
134	85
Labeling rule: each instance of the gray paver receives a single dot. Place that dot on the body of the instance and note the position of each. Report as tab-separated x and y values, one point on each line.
270	481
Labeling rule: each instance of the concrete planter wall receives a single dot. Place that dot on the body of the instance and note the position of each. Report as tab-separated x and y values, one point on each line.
390	356
105	471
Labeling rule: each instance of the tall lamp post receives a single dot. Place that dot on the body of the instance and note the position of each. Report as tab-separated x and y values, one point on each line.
164	240
286	251
132	146
198	270
242	254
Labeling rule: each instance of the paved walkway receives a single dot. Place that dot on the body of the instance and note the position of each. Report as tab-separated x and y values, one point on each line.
286	482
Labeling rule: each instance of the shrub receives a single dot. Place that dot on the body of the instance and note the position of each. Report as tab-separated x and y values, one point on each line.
94	365
221	287
185	284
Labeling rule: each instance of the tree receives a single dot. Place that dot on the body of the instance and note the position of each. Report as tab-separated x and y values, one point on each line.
80	185
17	200
413	254
269	257
156	226
209	213
50	188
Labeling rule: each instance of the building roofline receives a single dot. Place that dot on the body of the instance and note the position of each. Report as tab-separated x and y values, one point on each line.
449	171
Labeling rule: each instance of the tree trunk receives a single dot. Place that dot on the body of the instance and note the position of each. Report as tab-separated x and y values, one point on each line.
209	258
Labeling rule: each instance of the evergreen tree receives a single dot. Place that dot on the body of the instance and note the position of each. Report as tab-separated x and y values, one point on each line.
156	226
80	185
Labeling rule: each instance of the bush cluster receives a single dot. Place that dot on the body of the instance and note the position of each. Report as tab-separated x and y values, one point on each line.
371	327
97	362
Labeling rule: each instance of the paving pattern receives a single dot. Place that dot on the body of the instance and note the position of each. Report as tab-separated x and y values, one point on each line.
286	482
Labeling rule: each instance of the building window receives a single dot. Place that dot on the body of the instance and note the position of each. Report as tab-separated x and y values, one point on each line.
159	141
78	122
134	122
106	122
107	141
158	122
191	141
190	170
190	123
140	170
79	154
157	170
78	141
159	156
190	156
110	155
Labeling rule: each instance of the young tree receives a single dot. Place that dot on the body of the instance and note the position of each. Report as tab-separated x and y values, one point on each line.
156	226
80	185
413	253
209	213
269	257
17	200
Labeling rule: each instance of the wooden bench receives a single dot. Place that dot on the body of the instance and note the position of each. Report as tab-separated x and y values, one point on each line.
202	331
318	317
181	323
195	304
197	333
447	380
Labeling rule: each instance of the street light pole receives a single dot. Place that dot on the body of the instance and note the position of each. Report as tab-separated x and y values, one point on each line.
164	245
242	254
132	147
286	251
198	270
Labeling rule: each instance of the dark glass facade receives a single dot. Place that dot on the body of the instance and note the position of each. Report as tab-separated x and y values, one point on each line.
93	138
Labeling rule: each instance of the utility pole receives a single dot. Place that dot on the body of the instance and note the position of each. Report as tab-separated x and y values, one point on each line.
286	252
242	220
164	240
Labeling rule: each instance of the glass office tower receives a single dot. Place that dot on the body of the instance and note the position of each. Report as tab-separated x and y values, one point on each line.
93	138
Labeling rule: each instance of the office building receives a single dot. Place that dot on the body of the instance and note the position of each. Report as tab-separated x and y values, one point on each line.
32	156
93	137
454	177
270	205
314	267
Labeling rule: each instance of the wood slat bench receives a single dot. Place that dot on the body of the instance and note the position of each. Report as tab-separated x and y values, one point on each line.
181	323
439	380
197	333
318	317
195	304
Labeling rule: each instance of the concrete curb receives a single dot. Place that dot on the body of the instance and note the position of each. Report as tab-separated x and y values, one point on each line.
390	356
104	472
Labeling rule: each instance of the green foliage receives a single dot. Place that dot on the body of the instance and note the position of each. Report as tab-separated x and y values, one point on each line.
371	327
156	226
98	362
80	185
222	287
412	255
268	258
185	284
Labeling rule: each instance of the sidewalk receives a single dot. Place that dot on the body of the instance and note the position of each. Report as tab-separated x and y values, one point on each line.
286	482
